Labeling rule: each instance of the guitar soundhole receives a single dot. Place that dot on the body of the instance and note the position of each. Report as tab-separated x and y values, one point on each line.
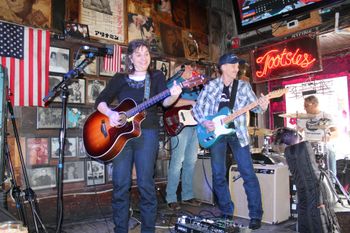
104	128
123	119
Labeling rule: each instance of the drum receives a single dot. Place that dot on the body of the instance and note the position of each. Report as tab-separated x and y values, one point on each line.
285	135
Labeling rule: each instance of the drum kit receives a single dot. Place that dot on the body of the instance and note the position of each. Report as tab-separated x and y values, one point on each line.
276	140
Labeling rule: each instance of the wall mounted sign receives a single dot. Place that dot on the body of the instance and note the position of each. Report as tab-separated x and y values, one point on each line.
289	58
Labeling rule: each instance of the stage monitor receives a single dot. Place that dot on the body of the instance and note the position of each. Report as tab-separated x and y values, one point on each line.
253	14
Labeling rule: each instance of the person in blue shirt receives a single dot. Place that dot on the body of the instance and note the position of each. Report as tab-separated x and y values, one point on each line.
184	147
216	95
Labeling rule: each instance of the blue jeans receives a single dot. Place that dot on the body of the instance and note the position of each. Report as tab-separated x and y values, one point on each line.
184	156
143	152
246	170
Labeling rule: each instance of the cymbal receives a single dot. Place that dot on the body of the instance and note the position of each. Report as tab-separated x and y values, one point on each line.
297	115
259	131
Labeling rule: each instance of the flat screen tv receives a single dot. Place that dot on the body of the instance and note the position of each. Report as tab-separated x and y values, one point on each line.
253	14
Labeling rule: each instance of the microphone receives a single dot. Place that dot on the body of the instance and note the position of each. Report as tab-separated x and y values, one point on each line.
97	51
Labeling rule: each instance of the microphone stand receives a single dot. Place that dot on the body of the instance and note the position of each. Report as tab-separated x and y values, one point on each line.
29	193
62	88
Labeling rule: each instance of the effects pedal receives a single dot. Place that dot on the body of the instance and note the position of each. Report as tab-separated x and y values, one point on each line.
197	224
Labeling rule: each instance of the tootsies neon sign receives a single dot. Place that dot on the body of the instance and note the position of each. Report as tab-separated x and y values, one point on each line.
286	59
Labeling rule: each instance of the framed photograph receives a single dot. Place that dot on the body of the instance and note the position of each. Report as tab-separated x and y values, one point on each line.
172	40
77	116
90	69
42	177
94	88
77	92
105	19
59	60
34	13
37	151
54	80
48	118
76	30
70	147
81	148
73	171
163	66
95	173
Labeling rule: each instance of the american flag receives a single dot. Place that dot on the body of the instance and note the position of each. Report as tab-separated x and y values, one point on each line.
112	63
24	52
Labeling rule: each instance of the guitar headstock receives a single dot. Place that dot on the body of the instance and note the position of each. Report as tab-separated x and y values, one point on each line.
277	93
195	80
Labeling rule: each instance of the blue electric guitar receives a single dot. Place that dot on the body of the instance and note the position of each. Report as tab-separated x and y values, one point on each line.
223	118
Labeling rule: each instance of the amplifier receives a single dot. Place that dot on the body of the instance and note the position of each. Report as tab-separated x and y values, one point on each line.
274	185
197	224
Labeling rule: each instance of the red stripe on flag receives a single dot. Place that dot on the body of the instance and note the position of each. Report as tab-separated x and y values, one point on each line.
111	63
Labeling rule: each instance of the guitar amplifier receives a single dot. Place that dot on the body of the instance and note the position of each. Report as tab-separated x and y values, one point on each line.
274	185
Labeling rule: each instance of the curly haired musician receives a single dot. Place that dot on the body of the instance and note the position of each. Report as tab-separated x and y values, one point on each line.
184	150
142	150
216	96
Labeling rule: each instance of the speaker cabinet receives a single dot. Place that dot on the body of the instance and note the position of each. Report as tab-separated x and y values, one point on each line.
203	182
274	185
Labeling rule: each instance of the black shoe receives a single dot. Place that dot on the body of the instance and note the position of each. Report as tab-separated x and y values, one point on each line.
174	206
254	223
191	202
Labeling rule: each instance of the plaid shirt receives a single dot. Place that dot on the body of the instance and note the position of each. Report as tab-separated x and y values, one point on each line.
208	104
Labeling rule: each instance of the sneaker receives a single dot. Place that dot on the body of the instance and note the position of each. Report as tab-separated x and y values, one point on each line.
191	202
254	223
174	206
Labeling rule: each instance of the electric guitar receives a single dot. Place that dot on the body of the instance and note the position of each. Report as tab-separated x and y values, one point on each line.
176	118
223	118
104	142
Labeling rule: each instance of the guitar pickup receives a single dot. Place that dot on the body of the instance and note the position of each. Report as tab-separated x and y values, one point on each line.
104	128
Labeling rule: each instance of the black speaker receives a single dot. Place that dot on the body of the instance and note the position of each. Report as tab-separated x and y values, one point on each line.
315	210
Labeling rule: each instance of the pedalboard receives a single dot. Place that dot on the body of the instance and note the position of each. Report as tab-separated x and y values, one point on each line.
197	224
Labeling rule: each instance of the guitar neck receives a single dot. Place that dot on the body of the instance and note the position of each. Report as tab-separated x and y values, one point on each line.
241	111
141	107
237	113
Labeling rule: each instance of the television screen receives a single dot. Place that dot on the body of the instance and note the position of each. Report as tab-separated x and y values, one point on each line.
252	14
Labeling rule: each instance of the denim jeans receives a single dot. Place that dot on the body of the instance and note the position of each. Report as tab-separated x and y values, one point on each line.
246	170
183	156
143	152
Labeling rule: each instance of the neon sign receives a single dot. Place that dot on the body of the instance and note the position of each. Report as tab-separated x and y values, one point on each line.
292	57
274	59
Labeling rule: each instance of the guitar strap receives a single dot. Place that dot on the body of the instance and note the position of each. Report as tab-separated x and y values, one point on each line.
233	93
147	87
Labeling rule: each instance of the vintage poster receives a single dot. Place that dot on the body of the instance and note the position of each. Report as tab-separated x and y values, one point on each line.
31	13
105	19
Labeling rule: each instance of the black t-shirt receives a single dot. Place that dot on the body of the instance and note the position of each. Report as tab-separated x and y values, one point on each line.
225	97
121	87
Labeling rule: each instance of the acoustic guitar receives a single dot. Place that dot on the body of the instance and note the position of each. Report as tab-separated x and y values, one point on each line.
104	142
223	118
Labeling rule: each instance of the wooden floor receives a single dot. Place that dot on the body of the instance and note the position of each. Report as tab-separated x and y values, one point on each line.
167	219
